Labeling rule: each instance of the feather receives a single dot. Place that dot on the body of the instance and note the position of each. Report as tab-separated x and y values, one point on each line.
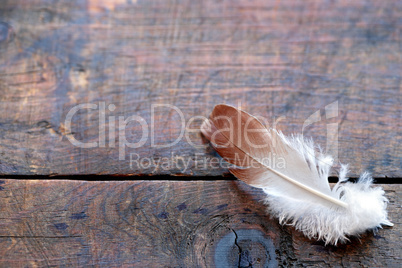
295	178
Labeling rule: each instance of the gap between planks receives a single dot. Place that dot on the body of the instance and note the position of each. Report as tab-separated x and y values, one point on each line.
224	177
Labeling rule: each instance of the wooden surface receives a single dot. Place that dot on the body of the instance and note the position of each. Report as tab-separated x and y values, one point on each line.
286	61
272	58
168	224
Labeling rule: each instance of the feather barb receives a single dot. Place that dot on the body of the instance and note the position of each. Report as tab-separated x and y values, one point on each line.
298	192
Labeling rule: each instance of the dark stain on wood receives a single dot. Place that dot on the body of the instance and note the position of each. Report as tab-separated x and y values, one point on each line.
6	33
163	215
202	211
245	248
61	226
78	216
181	207
222	206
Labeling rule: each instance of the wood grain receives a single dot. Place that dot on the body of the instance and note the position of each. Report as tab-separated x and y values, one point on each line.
168	224
272	58
165	64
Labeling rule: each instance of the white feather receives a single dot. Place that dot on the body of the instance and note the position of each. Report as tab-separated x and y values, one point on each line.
298	192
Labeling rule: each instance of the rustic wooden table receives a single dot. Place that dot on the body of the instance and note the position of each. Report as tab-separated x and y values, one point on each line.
99	95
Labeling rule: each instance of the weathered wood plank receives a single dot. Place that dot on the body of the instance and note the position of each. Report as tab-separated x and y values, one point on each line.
274	58
168	224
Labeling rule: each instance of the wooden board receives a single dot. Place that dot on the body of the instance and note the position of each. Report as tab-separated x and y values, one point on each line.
275	59
79	71
168	224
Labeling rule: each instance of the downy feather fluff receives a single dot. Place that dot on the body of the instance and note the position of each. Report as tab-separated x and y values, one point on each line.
295	178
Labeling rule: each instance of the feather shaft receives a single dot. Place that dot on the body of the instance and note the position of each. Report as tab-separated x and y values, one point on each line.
287	178
309	189
298	192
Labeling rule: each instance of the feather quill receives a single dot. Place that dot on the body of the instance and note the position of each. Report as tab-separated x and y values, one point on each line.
295	178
